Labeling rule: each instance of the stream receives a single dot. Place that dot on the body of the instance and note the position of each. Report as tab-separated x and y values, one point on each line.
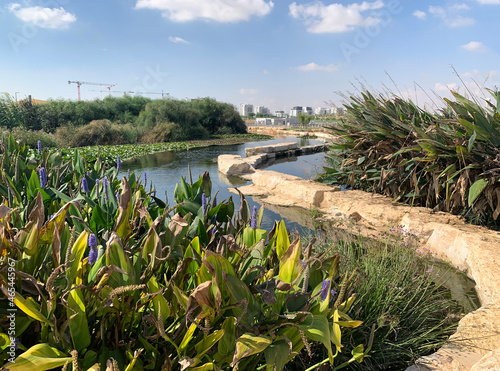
165	169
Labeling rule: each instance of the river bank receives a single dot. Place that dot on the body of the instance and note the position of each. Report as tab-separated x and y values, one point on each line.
471	249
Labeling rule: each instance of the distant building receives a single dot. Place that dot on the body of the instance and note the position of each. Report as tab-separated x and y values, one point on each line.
263	121
262	110
307	110
337	110
320	111
294	112
245	109
275	121
279	113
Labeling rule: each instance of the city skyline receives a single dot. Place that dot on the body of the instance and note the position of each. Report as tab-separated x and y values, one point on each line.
260	52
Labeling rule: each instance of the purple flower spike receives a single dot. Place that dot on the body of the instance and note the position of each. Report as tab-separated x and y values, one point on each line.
93	249
42	174
253	222
97	186
39	145
118	163
324	289
204	202
105	184
85	186
145	179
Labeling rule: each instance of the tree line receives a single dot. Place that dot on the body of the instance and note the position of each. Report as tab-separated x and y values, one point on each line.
121	120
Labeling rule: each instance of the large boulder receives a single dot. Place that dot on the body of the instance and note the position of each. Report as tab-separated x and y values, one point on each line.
233	165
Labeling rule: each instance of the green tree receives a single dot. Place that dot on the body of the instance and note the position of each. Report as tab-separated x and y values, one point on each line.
304	119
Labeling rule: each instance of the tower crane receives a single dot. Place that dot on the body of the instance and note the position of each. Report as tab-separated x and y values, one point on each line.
80	83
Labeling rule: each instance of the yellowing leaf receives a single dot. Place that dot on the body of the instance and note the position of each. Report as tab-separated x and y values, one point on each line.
282	240
290	264
248	344
39	357
336	333
27	307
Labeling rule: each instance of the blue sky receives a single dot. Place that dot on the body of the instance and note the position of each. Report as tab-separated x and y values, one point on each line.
273	53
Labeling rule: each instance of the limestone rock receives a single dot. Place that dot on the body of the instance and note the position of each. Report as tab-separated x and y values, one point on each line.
490	362
233	165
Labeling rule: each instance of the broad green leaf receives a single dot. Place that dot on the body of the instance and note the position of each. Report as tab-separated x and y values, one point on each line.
160	304
277	355
115	255
476	189
227	343
78	325
39	357
248	344
317	328
151	246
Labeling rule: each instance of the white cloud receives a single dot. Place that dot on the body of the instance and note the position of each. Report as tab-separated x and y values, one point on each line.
224	11
445	88
178	40
475	46
497	2
53	18
248	91
334	18
420	14
316	67
450	16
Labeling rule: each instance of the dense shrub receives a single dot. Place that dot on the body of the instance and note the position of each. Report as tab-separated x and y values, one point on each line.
164	132
98	132
31	138
447	160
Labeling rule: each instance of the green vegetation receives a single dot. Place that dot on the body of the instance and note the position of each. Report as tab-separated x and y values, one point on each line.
123	120
109	154
104	274
304	119
446	160
397	295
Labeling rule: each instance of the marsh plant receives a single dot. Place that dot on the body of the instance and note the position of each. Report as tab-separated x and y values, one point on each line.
447	160
107	276
406	309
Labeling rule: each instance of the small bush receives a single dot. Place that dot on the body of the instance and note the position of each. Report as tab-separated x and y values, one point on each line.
98	132
31	138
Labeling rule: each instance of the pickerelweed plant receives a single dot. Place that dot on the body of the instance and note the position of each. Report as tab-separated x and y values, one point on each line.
131	283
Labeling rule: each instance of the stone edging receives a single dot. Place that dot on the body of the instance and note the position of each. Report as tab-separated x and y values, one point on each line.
475	250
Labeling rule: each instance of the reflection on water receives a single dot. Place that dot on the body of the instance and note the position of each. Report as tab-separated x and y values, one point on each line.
165	169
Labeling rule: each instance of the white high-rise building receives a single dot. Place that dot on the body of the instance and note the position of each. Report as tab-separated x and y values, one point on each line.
245	109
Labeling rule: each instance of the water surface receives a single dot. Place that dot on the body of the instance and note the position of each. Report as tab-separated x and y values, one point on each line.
165	169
